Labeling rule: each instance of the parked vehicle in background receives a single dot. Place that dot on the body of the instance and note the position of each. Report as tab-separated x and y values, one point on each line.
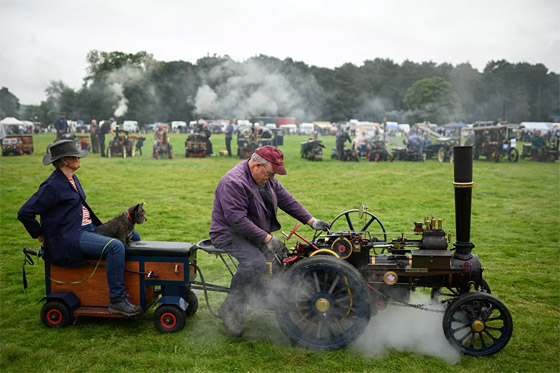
289	129
17	145
130	126
306	129
323	128
285	120
179	126
369	128
494	142
404	128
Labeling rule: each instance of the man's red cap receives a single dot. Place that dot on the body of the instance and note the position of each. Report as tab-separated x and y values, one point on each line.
274	156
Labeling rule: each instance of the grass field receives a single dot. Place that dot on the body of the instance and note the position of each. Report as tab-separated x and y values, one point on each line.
515	227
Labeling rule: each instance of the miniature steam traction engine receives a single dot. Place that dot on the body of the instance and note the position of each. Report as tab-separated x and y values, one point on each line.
337	280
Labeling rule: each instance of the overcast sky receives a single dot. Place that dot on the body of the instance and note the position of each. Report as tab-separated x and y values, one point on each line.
44	40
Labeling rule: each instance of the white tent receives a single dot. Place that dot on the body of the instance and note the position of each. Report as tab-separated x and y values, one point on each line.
8	121
535	126
11	121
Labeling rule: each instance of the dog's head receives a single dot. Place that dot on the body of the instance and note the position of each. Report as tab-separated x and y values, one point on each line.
137	214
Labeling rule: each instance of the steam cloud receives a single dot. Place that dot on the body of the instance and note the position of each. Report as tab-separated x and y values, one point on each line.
395	328
116	82
251	88
118	90
406	329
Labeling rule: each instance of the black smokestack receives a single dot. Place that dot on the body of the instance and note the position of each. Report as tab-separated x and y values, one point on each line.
463	183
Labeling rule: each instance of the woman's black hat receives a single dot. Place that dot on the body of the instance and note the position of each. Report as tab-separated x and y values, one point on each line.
62	148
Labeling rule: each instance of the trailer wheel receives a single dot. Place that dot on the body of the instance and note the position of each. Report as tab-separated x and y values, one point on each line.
56	314
324	303
169	318
477	324
192	300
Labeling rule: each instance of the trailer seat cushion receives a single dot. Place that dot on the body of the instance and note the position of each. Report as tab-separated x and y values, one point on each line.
159	248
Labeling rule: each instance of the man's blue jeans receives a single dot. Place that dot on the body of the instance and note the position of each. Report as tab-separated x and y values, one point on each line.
92	246
252	265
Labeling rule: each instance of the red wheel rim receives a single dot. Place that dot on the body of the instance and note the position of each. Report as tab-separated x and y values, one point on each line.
54	316
168	320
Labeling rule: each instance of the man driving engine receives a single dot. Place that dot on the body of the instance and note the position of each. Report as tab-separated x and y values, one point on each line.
243	216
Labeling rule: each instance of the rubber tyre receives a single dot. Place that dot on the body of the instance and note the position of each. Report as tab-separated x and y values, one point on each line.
192	300
323	304
169	318
441	155
492	316
56	314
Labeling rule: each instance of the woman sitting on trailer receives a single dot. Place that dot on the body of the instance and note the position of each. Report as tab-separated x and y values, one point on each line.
67	224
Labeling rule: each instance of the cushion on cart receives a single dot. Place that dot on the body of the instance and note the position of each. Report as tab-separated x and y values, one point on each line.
159	248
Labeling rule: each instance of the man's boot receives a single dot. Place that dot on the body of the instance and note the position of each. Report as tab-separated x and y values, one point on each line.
232	318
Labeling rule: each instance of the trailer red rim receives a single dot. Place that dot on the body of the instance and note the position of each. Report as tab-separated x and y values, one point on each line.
168	320
54	316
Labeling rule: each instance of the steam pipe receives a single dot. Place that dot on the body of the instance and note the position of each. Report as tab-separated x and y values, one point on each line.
463	183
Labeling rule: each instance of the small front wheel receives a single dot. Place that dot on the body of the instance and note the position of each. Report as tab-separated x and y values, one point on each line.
169	318
477	324
56	314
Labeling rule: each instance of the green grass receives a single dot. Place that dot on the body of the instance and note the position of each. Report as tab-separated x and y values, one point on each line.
515	227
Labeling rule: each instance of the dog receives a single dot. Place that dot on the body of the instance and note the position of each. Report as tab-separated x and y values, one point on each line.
122	226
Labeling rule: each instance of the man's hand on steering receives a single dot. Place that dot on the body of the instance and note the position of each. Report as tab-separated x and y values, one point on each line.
320	225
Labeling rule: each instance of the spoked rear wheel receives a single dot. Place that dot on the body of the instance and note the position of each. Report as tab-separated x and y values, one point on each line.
323	303
477	324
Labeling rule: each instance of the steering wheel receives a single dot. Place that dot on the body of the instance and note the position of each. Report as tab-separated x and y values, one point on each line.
351	220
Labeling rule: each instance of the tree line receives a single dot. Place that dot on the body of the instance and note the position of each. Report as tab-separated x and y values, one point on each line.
138	87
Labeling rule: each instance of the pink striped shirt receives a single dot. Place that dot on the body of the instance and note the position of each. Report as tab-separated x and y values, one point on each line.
86	219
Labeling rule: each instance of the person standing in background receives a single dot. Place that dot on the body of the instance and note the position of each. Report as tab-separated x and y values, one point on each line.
105	129
229	135
61	126
94	134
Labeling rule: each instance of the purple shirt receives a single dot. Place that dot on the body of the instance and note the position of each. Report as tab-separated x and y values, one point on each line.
240	210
